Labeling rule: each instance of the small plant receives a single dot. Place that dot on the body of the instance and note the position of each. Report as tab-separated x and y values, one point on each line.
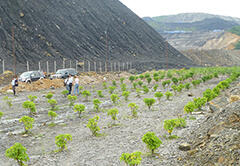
180	87
149	79
164	83
187	86
86	94
175	80
123	87
168	95
96	104
80	108
92	125
141	77
147	75
189	107
169	74
131	78
180	122
145	89
122	79
149	102
114	98
29	105
52	114
152	141
196	82
133	107
1	115
134	84
32	98
64	93
71	100
158	95
156	78
175	89
111	89
209	94
140	83
61	141
114	83
99	92
126	95
8	101
131	159
104	84
18	153
27	121
113	113
199	102
80	89
169	125
49	95
53	104
155	87
138	91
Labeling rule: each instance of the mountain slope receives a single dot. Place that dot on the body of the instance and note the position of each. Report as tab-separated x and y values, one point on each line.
81	30
192	17
208	24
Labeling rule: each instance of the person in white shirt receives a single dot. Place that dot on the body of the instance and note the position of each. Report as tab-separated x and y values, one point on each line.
76	85
14	83
69	84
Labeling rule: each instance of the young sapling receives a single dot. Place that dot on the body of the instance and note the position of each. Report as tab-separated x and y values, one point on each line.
96	104
114	98
152	141
80	108
133	107
61	141
18	153
126	95
27	121
149	102
86	94
131	159
99	92
93	125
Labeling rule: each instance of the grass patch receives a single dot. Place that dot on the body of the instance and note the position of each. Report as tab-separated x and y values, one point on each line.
192	118
52	124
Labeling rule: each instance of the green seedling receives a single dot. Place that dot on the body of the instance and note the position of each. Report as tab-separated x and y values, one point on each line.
126	95
27	121
131	159
30	106
61	141
134	108
18	153
96	104
80	108
149	102
93	125
152	141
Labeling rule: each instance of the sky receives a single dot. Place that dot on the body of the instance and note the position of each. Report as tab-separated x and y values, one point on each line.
153	8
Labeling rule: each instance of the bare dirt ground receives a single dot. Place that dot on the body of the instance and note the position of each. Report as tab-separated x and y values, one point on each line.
87	150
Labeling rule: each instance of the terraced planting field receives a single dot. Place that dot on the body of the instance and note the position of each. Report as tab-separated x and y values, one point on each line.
112	118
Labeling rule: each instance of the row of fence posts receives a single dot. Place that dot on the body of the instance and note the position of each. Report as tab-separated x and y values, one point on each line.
85	66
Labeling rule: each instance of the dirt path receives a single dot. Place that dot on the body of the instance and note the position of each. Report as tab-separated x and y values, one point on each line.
106	150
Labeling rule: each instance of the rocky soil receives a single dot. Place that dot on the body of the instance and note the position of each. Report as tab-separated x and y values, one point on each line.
85	149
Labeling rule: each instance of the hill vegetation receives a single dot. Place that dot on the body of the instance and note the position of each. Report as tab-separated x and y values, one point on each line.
236	30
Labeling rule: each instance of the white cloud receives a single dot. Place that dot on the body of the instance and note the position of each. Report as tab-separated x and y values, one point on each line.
158	7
